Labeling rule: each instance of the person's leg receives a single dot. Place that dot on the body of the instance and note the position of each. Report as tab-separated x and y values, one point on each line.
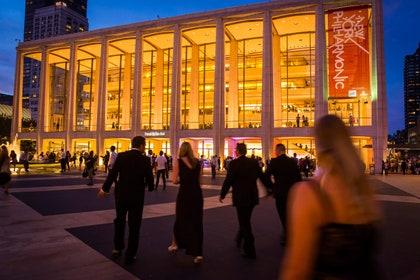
135	213
246	230
239	236
163	178
157	179
119	225
281	206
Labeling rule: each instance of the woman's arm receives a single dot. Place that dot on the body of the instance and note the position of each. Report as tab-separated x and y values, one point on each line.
304	220
175	172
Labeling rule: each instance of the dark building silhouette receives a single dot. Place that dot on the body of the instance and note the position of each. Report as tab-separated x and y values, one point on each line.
412	89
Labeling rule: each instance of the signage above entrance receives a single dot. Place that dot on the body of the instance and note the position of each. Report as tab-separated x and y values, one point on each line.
155	134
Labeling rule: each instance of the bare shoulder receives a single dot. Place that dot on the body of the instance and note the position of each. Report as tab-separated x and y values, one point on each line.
304	197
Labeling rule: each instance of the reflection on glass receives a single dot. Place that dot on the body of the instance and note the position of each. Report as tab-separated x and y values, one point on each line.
156	92
58	96
86	103
119	91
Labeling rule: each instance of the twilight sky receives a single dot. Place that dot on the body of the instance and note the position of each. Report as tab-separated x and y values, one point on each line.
401	28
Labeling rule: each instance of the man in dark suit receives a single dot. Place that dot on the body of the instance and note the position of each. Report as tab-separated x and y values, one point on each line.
242	176
134	172
286	173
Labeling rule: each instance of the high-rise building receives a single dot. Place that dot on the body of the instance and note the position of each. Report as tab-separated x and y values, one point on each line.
412	89
44	19
77	6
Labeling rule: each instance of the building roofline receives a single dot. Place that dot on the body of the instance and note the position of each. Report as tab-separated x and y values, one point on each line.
180	19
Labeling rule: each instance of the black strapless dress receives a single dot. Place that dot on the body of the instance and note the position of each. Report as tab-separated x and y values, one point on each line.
347	251
188	228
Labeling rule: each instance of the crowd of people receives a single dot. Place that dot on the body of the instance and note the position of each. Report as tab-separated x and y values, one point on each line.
404	166
330	221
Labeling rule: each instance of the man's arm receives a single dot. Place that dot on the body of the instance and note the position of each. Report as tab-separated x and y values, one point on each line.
149	175
227	183
267	178
112	175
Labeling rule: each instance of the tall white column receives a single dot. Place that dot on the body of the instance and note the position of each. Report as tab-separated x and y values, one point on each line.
43	112
158	98
17	98
321	98
233	94
103	65
379	107
277	81
136	104
193	114
126	94
175	92
267	86
219	90
71	96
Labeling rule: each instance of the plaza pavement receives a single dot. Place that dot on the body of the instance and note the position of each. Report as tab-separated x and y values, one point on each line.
54	227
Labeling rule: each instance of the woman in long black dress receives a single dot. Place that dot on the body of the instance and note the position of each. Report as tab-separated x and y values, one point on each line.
188	228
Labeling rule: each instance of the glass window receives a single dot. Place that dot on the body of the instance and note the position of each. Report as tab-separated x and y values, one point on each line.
294	71
157	81
243	75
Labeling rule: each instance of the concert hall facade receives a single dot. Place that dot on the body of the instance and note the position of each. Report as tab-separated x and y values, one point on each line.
261	74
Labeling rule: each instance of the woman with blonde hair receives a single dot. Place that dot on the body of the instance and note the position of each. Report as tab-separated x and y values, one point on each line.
4	169
332	218
188	228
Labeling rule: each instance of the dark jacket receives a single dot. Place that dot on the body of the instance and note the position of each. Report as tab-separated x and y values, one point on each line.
285	172
242	176
134	172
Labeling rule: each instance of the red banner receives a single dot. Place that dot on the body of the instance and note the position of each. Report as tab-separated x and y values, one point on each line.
348	53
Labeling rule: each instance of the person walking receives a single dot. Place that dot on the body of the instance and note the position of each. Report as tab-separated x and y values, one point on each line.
404	166
68	159
63	159
161	170
105	159
24	159
81	158
242	176
213	164
286	173
134	172
4	169
13	159
332	230
188	228
90	167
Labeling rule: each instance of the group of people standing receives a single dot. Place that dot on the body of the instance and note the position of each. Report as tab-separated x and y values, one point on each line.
329	221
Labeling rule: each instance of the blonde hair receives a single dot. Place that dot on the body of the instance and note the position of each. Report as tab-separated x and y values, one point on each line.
186	151
337	155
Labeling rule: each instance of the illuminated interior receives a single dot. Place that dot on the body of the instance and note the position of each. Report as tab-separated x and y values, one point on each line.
253	145
87	95
157	81
158	144
57	95
120	82
302	146
243	74
83	145
354	108
201	146
198	65
30	92
52	145
120	144
294	71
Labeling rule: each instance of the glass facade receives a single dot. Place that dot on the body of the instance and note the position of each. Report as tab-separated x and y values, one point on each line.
56	109
30	84
294	71
243	74
157	82
120	82
197	68
86	100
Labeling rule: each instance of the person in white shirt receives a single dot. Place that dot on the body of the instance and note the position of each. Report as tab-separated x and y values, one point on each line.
161	170
112	158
